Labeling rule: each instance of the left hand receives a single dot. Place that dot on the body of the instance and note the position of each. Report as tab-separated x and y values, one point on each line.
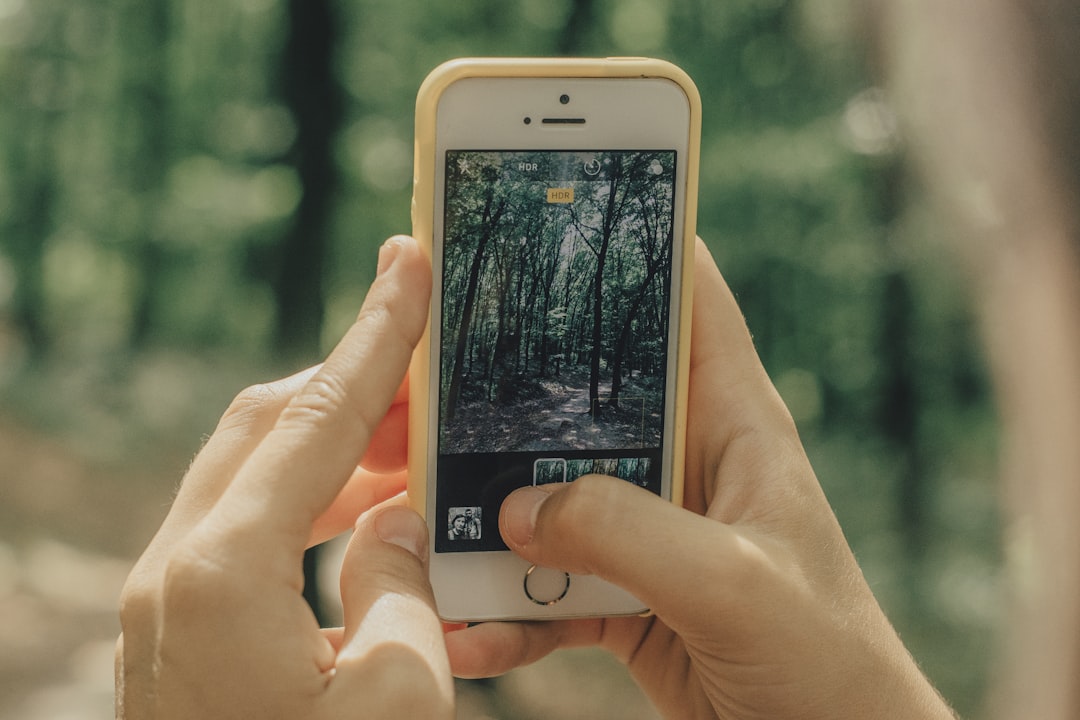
214	624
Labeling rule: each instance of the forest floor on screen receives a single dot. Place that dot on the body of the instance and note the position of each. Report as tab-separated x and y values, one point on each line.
553	414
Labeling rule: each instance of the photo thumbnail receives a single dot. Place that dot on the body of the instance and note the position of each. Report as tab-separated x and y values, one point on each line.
464	523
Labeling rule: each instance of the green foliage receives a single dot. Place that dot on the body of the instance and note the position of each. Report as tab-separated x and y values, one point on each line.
149	172
511	254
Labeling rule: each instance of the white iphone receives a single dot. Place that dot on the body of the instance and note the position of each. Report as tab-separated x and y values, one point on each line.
557	199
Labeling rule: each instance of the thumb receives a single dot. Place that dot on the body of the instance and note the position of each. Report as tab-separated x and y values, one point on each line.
393	639
605	526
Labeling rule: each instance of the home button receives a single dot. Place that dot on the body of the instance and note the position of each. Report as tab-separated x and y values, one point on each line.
545	586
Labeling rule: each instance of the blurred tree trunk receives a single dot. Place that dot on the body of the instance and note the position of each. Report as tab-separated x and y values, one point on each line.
33	225
579	22
990	90
900	403
145	116
314	97
899	408
39	102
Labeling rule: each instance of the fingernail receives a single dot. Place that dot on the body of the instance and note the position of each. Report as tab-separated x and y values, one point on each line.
519	512
404	528
387	254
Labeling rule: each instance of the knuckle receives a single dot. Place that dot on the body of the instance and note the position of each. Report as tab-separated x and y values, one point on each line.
375	312
748	566
138	607
186	588
330	397
186	583
378	318
389	315
753	568
193	583
252	404
588	495
321	397
580	512
325	401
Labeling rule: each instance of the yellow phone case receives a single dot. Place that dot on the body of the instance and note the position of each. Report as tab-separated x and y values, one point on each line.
423	220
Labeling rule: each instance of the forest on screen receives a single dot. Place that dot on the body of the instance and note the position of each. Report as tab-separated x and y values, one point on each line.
555	314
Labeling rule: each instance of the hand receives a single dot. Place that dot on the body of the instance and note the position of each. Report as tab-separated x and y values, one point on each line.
214	624
760	610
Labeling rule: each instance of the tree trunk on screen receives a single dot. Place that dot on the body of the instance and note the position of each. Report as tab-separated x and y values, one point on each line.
489	221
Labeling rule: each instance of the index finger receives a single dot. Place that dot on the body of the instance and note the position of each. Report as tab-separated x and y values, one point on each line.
731	396
318	440
722	349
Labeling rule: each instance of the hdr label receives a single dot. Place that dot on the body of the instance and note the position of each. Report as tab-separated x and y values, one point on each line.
560	195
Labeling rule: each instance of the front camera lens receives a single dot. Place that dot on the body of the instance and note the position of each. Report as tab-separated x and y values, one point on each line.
564	99
528	120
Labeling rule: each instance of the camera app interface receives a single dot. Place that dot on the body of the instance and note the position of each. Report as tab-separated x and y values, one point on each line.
556	287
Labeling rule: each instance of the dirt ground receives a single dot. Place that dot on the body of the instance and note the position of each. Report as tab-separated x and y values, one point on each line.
72	523
63	560
554	415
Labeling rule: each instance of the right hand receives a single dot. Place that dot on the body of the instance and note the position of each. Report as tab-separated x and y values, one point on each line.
760	608
214	621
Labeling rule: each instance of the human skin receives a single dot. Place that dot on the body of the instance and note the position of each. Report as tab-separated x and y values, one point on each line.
214	623
760	609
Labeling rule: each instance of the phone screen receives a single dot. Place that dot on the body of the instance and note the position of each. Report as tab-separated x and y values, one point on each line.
556	284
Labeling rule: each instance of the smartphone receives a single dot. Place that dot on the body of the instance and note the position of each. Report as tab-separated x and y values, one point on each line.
557	199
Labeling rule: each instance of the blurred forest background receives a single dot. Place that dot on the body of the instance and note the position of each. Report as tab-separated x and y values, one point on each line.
192	193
